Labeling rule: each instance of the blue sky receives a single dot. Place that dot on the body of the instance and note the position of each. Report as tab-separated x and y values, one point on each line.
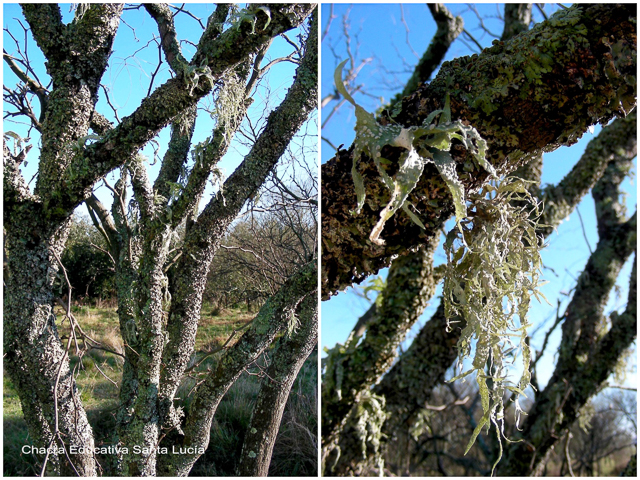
393	37
128	77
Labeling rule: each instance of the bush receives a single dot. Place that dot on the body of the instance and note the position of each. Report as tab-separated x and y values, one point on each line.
90	269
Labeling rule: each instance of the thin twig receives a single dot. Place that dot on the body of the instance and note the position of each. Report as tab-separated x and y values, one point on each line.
540	9
105	375
472	38
407	31
540	352
620	387
96	344
584	232
332	16
566	453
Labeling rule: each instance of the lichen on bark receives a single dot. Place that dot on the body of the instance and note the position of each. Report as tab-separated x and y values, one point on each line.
531	85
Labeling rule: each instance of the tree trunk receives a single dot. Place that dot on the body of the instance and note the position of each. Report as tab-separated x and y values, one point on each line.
275	316
35	359
289	355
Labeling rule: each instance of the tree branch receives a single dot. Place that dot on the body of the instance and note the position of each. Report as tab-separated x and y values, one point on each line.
616	142
409	286
273	317
517	17
161	13
47	28
585	353
557	407
470	82
449	27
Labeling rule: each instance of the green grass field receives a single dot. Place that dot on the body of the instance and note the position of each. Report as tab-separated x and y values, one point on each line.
295	452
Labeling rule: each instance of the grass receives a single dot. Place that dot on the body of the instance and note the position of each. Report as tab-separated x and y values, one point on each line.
295	451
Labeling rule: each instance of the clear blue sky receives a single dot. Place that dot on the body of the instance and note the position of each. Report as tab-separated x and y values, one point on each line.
128	76
393	38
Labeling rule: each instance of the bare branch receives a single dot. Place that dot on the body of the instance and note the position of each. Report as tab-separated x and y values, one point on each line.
449	27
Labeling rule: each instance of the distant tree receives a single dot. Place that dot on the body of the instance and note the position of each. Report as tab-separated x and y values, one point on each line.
89	266
268	244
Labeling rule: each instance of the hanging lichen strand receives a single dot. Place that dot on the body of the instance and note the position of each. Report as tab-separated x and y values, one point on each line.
427	143
493	270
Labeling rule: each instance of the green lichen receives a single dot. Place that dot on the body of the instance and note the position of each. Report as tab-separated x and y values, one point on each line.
377	284
493	271
332	365
370	416
429	142
249	15
421	424
230	104
79	10
82	141
18	141
193	74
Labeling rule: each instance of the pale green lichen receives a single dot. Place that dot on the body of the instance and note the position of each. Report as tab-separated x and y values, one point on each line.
18	141
421	424
193	74
426	143
79	10
494	261
493	271
332	364
377	284
249	15
230	104
82	141
370	416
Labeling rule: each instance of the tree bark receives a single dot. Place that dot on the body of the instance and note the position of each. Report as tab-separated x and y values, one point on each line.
289	355
540	90
34	241
205	235
36	225
276	314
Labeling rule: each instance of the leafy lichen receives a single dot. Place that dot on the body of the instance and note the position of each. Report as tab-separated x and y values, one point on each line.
193	73
332	365
429	142
249	15
370	416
